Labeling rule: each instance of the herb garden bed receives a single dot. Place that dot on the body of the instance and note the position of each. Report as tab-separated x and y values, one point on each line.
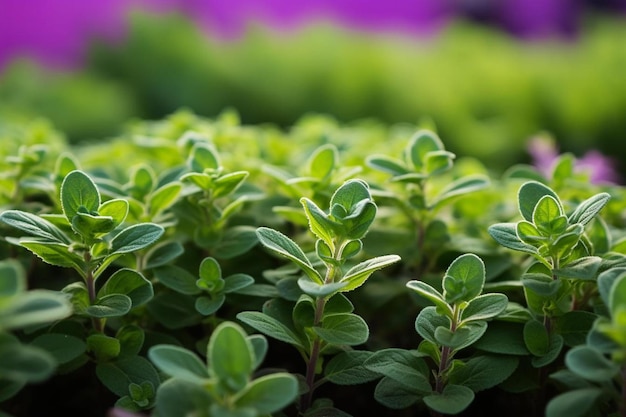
201	267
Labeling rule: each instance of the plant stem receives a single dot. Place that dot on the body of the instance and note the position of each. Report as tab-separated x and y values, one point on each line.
446	354
307	398
90	283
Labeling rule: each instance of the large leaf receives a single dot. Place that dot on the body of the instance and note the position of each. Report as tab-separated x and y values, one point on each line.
34	225
57	254
79	193
403	366
576	403
281	244
591	364
348	368
484	307
130	283
112	305
453	399
394	395
506	235
483	372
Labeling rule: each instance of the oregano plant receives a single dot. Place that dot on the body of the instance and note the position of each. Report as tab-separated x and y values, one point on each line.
320	322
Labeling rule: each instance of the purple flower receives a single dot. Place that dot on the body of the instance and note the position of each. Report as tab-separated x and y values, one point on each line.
600	168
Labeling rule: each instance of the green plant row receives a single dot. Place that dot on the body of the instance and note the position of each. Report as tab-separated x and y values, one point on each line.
202	267
528	87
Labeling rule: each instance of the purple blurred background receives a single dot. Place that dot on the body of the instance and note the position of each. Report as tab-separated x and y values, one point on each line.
57	32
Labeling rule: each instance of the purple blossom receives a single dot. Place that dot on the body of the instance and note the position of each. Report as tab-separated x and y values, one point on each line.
600	168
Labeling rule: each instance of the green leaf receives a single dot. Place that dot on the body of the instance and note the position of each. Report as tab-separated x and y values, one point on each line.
436	162
484	307
576	403
464	279
270	327
425	290
230	355
506	235
529	195
528	233
55	254
541	284
554	350
236	282
422	143
116	209
131	339
617	295
320	290
235	241
164	197
503	338
322	162
203	157
130	283
536	338
210	275
162	253
461	186
386	164
119	374
545	212
207	306
179	397
281	244
406	367
34	307
25	363
591	364
103	347
178	362
462	337
12	278
483	372
228	183
177	278
269	393
394	395
63	347
34	225
319	222
358	274
575	325
135	237
79	194
453	399
427	321
588	209
585	268
349	194
343	329
112	305
348	368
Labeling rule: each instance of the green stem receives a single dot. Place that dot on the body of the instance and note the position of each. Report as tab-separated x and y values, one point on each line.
90	283
446	354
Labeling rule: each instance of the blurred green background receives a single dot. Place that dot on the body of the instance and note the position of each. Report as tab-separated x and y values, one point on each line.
485	91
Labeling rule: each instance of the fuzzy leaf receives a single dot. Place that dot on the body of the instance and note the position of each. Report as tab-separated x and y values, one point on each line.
117	209
591	364
343	329
387	164
177	278
228	183
461	186
588	209
25	363
347	368
319	222
464	279
164	197
178	362
269	326
230	355
584	268
394	395
484	307
426	291
323	161
453	399
55	254
576	403
483	372
506	235
269	393
130	283
403	366
34	225
358	274
421	144
135	237
529	195
319	290
111	305
281	244
203	157
79	193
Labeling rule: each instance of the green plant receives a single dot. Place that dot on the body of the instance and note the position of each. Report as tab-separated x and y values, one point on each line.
319	321
224	386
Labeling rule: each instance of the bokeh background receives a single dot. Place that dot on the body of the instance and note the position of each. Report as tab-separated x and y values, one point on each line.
488	75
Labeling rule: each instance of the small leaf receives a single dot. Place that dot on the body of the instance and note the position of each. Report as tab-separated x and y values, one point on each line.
203	157
25	363
506	235
425	290
406	367
588	209
62	347
179	397
163	253
34	307
427	321
350	193
135	237
178	362
462	337
177	278
394	395
453	399
78	193
343	329
103	347
464	278
207	306
163	197
117	209
536	338
484	307
228	183
270	327
436	162
269	393
483	372
235	241
358	274
319	222
236	282
230	355
281	244
386	164
617	295
422	143
112	305
459	187
89	226
584	268
547	209
130	283
55	254
323	161
529	195
320	290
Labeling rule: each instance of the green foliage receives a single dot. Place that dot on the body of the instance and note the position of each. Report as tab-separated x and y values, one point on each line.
225	384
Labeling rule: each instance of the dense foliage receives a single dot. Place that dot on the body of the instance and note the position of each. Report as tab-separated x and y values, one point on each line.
196	265
486	92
